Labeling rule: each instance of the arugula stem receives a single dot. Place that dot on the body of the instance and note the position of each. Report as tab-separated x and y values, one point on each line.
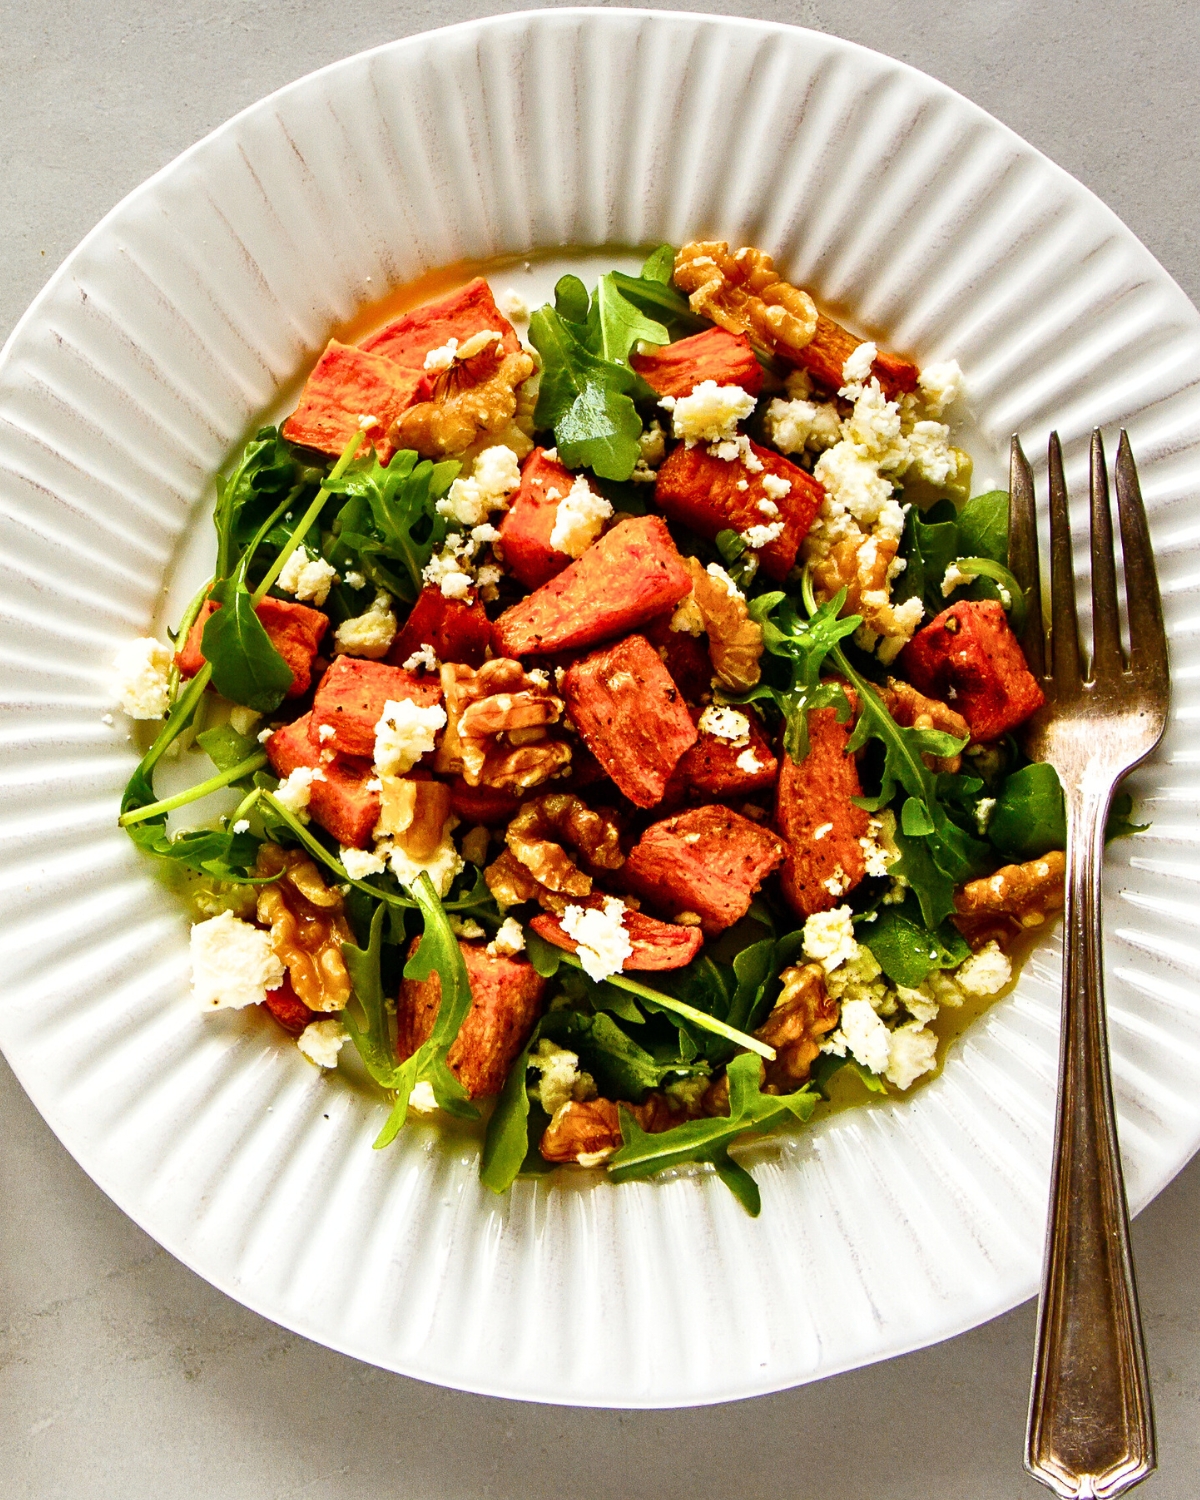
680	1008
309	516
245	767
177	720
319	852
244	806
185	629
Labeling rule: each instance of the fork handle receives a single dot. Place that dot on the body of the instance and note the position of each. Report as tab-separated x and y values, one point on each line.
1091	1428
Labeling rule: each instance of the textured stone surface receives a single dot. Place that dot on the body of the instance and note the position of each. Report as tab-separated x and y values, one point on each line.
122	1373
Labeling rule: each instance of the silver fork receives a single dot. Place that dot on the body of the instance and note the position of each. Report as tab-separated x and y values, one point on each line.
1091	1427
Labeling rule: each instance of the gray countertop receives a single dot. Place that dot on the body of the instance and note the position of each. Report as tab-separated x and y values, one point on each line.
121	1372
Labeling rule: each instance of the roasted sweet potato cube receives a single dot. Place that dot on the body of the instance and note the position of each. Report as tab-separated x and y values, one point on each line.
716	767
709	861
677	369
655	944
832	345
459	314
814	813
346	385
630	575
294	630
630	715
525	530
969	657
340	801
700	490
349	703
456	630
506	996
288	1009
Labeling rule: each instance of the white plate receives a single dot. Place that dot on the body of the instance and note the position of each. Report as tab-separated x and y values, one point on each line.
187	314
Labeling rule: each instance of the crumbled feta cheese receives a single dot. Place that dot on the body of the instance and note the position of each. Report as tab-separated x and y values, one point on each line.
919	1003
930	454
294	791
108	719
369	634
738	449
422	1100
857	368
864	1035
307	577
856	486
442	358
829	938
941	384
561	1080
776	486
424	658
717	572
355	580
762	536
794	426
405	731
494	475
838	883
823	831
264	735
325	732
984	809
767	508
509	939
579	519
441	866
321	1041
710	414
687	619
513	306
603	942
233	963
954	578
748	762
242	826
242	720
912	1051
359	863
140	671
878	845
449	569
985	972
725	724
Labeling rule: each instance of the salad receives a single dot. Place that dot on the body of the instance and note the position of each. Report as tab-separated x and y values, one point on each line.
615	723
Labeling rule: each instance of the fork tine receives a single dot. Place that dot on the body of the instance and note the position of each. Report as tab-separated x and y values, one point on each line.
1106	622
1064	624
1147	636
1023	554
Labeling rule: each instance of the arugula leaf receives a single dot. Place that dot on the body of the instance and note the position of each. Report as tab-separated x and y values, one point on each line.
904	947
643	1155
506	1143
585	400
391	514
221	853
1120	819
660	300
246	668
659	265
621	1068
266	465
805	644
622	324
374	1044
225	747
929	545
983	527
1030	815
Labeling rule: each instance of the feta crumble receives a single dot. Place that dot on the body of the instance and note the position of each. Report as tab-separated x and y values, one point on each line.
985	972
423	1100
295	791
748	762
941	384
912	1051
776	486
603	942
369	634
513	306
579	519
725	724
509	939
242	826
404	732
307	577
442	358
140	671
561	1079
762	536
796	426
862	1033
857	369
829	938
423	658
359	863
954	578
495	474
441	866
321	1041
710	414
233	963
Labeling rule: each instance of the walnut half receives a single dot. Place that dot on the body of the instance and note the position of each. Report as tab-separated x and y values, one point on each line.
1016	897
743	293
802	1015
497	720
307	925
